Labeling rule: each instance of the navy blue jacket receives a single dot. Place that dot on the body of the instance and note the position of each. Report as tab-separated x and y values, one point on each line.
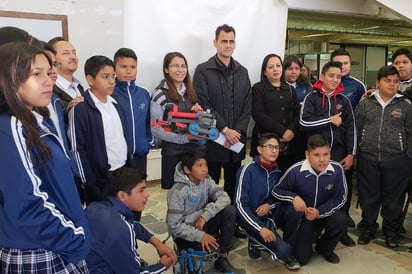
114	246
39	204
135	102
88	145
254	185
325	191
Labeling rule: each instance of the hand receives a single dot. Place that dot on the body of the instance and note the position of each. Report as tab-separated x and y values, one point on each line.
74	102
166	261
209	241
162	249
200	222
267	235
311	213
299	204
196	107
287	136
347	162
336	119
262	210
232	137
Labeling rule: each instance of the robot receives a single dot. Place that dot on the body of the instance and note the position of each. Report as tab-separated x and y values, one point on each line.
200	123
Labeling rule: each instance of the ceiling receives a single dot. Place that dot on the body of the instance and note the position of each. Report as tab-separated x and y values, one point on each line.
351	29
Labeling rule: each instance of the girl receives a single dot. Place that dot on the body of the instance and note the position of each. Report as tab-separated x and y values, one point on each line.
43	228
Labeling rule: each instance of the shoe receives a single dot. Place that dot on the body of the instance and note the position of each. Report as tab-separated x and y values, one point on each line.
240	232
391	241
329	256
291	263
253	252
347	240
365	237
223	265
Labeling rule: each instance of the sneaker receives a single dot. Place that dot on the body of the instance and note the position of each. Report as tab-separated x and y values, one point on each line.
365	237
291	263
391	241
223	265
253	252
240	232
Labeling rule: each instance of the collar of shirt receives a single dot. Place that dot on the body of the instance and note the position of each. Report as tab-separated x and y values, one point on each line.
307	167
96	101
384	104
292	84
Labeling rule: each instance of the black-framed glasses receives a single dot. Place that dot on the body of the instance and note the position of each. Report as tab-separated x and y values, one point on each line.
271	147
177	66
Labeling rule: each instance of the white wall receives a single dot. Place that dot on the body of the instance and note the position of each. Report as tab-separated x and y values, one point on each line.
153	28
95	26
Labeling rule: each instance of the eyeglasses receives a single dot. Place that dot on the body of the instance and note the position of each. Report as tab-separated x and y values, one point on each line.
177	66
272	148
57	64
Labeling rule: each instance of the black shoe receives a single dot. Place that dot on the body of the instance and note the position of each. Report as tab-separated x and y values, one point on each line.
223	265
291	263
253	251
329	256
365	237
391	241
240	232
347	240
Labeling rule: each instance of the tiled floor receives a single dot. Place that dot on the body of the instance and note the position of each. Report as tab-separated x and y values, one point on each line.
372	258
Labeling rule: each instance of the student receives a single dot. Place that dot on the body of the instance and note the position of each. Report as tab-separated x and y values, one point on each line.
354	89
292	67
68	88
317	188
43	227
198	209
175	89
135	101
384	122
257	211
114	230
402	61
96	131
223	86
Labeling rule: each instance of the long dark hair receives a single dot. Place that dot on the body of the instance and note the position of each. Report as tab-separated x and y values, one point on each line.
16	60
265	63
172	90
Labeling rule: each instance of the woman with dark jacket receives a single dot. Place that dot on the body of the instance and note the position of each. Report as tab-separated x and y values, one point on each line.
275	109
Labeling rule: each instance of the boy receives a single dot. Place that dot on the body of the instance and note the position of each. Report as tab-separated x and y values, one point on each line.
384	122
257	211
402	61
135	101
114	230
197	209
96	130
354	90
317	188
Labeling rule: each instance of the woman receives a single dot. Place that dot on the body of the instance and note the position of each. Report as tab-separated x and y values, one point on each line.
275	109
43	228
292	73
307	75
174	90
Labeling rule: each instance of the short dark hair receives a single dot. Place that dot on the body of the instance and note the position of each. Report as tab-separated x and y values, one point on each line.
12	34
329	65
265	137
290	59
124	53
386	71
189	158
316	141
225	28
95	63
56	39
124	179
339	52
402	51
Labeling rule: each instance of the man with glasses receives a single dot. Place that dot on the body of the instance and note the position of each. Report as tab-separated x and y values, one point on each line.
258	212
223	86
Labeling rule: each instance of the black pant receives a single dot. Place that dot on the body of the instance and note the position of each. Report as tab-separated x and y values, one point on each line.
222	225
310	231
168	170
382	187
229	173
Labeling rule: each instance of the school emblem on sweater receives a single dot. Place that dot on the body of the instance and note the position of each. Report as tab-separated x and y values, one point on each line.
329	187
339	107
141	106
397	112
